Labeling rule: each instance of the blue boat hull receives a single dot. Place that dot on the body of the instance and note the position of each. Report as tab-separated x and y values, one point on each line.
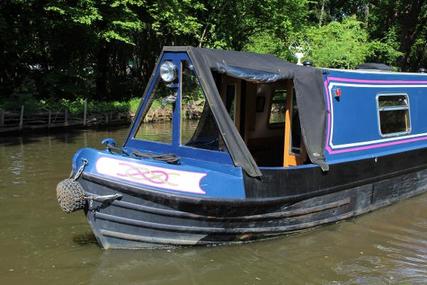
142	219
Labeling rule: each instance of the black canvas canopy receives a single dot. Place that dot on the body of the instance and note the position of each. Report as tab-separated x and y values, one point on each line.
260	68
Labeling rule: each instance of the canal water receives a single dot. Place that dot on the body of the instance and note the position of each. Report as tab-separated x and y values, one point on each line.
39	244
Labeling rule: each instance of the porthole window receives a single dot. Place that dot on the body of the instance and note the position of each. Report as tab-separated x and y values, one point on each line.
393	114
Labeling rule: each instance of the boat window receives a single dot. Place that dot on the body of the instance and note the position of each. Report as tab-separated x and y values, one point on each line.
198	125
277	109
156	124
393	114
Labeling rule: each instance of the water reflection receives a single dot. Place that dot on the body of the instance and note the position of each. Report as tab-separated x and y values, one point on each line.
41	245
84	239
344	253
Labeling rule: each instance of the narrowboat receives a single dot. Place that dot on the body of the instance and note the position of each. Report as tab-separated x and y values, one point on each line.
229	147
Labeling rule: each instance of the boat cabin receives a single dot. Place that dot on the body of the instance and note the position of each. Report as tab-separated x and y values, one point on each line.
256	108
256	111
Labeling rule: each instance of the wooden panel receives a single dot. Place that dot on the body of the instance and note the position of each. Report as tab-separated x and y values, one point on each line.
290	158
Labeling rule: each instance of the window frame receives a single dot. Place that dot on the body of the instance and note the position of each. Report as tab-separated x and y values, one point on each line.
132	142
180	142
390	109
148	106
277	125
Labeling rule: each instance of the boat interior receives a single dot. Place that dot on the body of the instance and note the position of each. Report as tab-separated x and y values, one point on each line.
266	115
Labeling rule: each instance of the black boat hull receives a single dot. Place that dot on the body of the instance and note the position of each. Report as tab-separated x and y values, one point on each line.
142	219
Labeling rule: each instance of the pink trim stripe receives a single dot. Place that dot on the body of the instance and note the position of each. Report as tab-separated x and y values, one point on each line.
338	79
377	145
328	134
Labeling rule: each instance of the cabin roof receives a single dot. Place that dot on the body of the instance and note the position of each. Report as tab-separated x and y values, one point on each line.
228	61
254	67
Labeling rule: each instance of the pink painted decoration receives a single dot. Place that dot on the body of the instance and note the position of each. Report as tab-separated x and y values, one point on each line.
183	181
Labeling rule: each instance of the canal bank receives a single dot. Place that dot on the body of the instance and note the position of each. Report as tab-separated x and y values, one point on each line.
84	115
45	246
41	115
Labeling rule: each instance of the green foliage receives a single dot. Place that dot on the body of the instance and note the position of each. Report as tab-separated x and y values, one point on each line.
338	45
407	19
106	50
385	50
344	44
175	17
108	21
74	107
235	24
267	43
134	104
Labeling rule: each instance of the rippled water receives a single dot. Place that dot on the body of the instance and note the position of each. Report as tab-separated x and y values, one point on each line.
39	244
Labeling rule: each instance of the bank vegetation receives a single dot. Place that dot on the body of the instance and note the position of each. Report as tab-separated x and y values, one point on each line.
57	54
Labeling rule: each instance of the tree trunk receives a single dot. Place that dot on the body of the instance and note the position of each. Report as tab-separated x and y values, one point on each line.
322	13
367	14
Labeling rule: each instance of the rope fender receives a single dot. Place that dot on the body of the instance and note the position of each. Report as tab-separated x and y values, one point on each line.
70	195
69	192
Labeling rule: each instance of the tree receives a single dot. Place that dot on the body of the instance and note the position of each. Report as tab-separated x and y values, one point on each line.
107	49
407	19
110	26
338	45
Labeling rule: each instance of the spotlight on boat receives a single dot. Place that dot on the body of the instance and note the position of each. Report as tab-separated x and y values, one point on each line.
168	71
422	70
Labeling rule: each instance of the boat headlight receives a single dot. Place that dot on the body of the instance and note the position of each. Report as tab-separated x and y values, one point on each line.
168	71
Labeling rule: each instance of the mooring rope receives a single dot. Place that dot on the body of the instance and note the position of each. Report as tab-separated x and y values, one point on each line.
167	157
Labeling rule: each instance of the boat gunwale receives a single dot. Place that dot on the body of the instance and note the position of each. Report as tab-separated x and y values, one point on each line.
247	202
